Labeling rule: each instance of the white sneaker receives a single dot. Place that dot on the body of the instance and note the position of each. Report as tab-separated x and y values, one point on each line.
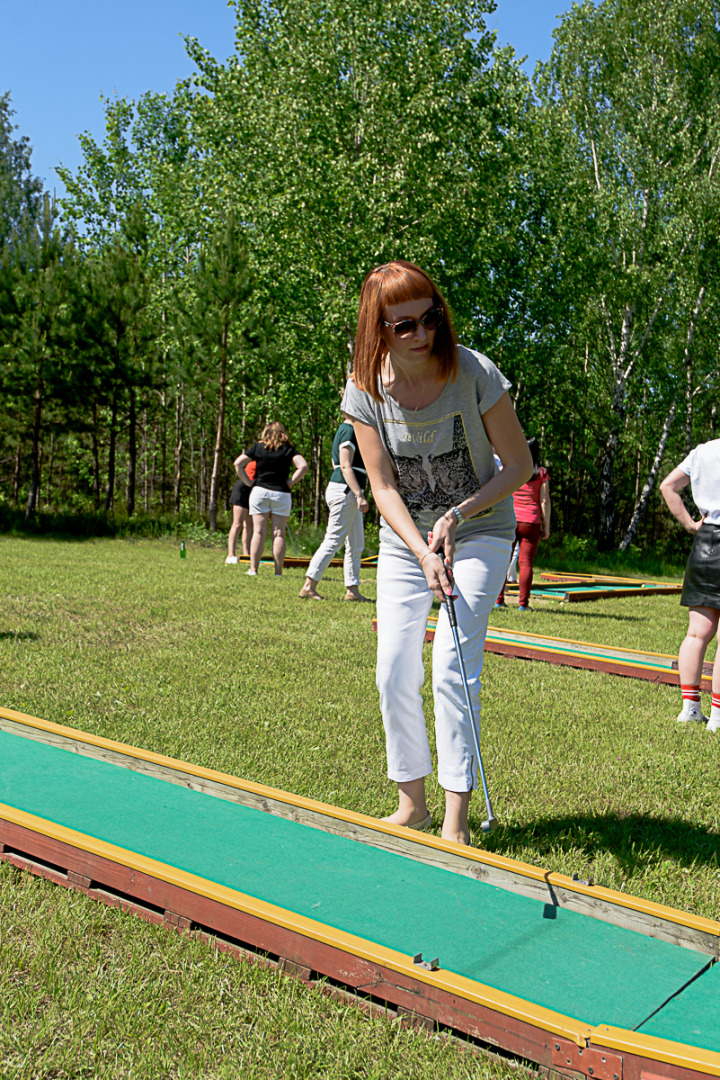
231	560
692	714
251	573
713	725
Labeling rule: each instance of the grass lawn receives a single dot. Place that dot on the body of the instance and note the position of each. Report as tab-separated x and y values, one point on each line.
191	658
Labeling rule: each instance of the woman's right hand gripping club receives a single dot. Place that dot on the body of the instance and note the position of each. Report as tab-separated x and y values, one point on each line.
441	542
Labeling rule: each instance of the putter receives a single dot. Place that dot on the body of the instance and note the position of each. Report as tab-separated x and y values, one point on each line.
287	527
491	824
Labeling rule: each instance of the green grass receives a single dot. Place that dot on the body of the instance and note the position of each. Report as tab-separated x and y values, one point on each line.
588	772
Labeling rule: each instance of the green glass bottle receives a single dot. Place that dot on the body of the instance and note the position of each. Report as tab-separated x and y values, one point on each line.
182	549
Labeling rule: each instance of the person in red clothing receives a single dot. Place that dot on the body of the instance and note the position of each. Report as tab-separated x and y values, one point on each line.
240	502
532	512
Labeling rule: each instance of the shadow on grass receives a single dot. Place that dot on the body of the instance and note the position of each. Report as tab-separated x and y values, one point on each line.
19	635
631	838
84	526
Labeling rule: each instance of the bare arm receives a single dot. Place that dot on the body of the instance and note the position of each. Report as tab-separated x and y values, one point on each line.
301	467
239	464
504	432
393	509
545	508
670	489
346	459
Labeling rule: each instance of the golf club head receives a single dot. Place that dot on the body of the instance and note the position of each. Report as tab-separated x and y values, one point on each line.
490	825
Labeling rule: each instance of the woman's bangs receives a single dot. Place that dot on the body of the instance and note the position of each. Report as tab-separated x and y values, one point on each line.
401	284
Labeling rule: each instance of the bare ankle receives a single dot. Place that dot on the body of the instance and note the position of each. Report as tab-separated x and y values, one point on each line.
458	836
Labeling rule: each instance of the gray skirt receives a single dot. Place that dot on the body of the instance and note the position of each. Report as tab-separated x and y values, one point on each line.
701	584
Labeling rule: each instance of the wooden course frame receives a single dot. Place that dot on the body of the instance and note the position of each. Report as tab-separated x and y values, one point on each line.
369	562
535	647
317	953
614	586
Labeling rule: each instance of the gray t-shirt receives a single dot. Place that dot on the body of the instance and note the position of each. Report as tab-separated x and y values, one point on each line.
702	465
441	454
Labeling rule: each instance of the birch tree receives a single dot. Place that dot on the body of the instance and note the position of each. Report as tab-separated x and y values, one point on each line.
636	82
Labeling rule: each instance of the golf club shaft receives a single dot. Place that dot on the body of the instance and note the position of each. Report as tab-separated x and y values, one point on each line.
471	714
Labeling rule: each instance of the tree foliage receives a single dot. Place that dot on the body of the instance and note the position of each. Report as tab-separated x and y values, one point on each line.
632	84
226	229
20	191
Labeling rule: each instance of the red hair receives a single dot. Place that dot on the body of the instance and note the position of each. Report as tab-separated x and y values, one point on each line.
396	283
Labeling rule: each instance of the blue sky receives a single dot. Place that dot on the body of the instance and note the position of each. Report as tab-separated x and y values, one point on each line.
58	58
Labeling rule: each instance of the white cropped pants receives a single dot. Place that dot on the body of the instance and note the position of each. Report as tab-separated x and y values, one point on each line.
403	605
345	522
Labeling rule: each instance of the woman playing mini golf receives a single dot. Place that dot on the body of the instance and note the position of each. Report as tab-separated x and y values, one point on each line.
427	414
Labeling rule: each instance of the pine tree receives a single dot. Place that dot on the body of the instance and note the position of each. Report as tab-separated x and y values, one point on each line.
20	192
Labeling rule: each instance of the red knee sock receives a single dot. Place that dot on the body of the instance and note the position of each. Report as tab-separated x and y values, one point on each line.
690	694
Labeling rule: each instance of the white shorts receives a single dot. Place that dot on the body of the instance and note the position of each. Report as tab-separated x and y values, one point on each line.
265	501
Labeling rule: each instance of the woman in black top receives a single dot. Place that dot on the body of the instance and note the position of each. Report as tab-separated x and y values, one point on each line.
276	458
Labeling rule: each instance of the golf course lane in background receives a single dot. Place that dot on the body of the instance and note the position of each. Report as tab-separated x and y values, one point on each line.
562	960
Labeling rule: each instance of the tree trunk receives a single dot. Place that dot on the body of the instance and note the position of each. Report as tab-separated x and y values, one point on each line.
163	450
650	481
95	457
669	419
243	414
193	469
317	478
153	467
50	468
110	489
34	492
179	425
203	459
607	488
688	361
132	453
145	489
16	474
217	456
621	366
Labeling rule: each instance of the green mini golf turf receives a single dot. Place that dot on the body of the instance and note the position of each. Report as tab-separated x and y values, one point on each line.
560	959
654	661
576	649
693	1016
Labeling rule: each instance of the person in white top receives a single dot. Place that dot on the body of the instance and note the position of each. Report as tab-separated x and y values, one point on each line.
701	584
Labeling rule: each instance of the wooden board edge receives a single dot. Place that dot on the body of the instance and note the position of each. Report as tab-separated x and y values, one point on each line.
368	563
409	843
361	821
654	1049
97	859
583	1050
200	771
526	637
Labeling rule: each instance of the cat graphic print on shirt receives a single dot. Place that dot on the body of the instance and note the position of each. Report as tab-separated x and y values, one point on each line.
441	455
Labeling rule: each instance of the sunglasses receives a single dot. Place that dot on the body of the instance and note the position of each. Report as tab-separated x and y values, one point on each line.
406	328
